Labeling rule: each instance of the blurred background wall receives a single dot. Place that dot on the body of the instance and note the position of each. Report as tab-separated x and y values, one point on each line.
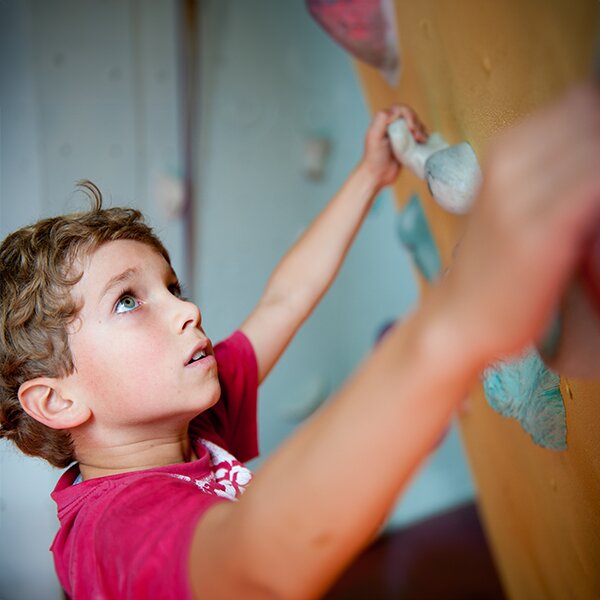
90	89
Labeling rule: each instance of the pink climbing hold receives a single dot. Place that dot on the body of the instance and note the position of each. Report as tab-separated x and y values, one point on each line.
365	28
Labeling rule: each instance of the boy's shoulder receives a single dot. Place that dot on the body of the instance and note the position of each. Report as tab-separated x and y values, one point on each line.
232	421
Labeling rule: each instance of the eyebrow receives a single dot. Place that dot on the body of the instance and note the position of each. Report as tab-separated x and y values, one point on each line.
117	280
128	275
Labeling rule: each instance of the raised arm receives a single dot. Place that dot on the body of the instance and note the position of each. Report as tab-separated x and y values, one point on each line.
306	272
318	500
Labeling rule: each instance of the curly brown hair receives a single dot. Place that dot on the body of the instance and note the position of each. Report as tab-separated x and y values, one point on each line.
37	265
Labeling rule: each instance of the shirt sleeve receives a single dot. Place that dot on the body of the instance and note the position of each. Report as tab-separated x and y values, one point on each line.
232	422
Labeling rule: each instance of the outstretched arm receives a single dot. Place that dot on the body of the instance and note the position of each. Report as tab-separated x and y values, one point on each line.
317	500
306	272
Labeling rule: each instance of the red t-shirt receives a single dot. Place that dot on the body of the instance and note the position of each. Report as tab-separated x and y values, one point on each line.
128	535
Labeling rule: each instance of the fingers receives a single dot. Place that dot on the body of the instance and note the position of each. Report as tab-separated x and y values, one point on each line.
380	123
553	133
542	194
550	150
384	118
415	125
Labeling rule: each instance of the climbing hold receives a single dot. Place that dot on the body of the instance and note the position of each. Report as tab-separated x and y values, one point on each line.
525	389
452	172
408	151
413	230
454	177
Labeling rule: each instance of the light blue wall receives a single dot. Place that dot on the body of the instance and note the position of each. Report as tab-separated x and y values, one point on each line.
88	89
27	516
271	78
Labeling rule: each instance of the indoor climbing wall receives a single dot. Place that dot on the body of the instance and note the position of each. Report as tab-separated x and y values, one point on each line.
471	68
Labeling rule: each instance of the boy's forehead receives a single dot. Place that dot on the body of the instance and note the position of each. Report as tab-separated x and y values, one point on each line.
119	261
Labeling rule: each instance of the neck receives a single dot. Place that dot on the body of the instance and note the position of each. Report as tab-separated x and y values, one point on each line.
129	456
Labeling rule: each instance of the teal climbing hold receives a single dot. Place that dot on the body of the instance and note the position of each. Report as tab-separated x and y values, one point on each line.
526	390
413	230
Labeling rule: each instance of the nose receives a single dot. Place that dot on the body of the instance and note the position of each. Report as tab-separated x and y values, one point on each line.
186	315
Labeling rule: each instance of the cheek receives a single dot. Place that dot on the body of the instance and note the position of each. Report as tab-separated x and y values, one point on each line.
98	359
121	362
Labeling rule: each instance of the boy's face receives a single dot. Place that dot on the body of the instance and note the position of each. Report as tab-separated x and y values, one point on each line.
134	339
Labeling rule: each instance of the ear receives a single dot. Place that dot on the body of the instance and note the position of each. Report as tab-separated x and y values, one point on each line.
41	399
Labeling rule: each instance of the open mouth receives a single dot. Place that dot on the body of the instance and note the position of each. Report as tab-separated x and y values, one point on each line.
197	356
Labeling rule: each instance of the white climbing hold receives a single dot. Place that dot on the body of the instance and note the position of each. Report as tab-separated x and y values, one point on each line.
452	172
408	151
454	177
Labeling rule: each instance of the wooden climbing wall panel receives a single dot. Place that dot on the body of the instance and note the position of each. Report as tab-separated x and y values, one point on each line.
471	68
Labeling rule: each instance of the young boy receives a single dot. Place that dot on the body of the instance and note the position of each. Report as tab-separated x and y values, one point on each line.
103	363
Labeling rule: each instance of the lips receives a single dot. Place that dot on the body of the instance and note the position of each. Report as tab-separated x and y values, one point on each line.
200	352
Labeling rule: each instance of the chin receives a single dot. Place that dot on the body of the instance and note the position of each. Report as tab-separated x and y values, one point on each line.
211	396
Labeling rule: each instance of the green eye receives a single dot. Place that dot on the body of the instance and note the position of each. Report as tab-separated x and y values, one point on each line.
126	303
